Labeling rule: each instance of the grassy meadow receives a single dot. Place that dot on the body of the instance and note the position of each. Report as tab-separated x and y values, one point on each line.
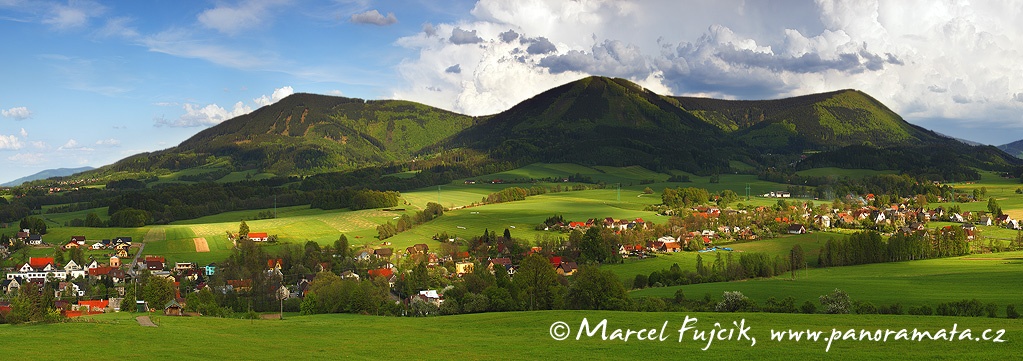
501	336
988	278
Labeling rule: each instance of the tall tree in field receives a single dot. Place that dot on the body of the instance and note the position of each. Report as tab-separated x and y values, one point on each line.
243	230
595	289
537	282
992	206
796	258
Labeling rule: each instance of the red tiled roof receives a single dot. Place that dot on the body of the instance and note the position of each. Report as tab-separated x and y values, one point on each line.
100	271
257	235
94	304
380	272
40	262
556	261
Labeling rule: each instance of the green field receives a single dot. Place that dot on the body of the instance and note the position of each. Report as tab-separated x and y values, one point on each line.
988	278
502	336
810	243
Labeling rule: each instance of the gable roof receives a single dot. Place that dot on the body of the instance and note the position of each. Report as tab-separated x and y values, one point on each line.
257	235
40	262
380	272
95	304
100	271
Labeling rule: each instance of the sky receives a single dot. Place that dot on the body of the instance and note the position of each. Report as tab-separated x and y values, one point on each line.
86	83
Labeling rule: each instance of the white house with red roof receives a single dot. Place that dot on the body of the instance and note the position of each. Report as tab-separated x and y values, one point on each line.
258	236
38	268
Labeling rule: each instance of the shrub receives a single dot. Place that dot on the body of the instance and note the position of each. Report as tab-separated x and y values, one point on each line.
734	301
808	308
992	310
963	308
836	302
1010	311
923	310
893	309
639	282
864	308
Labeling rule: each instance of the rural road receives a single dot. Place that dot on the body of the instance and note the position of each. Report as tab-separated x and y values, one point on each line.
131	266
145	321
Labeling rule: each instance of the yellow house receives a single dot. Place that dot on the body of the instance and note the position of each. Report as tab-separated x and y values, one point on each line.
462	268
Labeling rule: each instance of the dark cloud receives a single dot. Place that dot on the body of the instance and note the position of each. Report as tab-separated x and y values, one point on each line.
459	36
509	36
959	99
807	63
429	29
374	17
892	59
454	69
936	89
541	46
610	58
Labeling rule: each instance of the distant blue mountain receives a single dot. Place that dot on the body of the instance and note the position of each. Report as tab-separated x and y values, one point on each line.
59	172
1014	148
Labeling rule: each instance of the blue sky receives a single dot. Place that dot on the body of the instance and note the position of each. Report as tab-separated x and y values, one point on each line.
90	82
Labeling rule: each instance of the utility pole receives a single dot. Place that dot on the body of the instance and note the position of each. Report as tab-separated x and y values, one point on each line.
438	195
619	192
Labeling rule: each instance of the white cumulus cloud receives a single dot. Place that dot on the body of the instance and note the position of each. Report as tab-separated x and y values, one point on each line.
277	95
213	114
10	142
17	113
73	145
109	142
374	17
209	115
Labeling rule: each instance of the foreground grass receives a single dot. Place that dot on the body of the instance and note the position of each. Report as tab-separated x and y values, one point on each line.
498	336
988	278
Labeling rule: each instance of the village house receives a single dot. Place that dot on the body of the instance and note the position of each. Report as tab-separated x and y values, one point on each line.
502	262
38	269
567	268
10	286
796	229
462	268
258	236
74	270
430	296
384	253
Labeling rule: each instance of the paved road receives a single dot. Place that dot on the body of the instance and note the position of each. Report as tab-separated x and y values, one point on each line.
131	267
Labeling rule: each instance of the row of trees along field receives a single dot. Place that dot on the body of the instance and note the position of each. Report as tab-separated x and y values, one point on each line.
859	248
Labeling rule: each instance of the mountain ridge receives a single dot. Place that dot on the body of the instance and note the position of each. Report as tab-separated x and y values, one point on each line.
45	174
591	121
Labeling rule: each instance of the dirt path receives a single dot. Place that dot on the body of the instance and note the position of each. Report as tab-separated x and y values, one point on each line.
145	321
201	245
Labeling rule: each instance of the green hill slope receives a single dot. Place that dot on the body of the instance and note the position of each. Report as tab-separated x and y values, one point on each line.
814	122
308	134
600	121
